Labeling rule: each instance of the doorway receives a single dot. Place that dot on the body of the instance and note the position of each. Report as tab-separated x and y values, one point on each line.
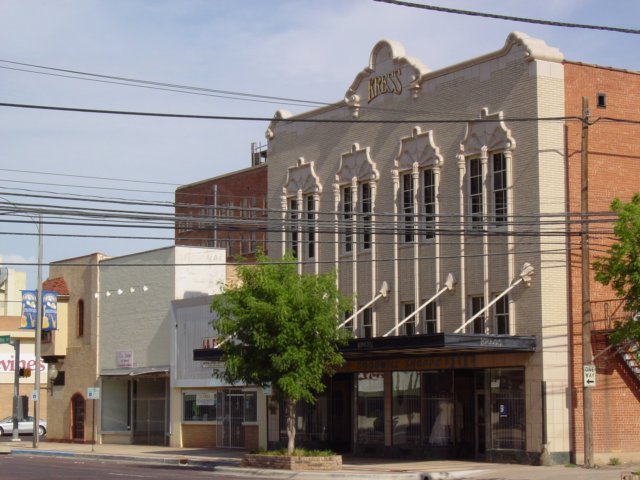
465	414
149	411
340	415
230	409
77	418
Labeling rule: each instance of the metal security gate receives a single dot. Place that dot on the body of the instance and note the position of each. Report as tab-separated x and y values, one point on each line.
149	411
230	410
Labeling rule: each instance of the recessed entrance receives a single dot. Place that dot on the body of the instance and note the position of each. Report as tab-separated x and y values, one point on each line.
77	418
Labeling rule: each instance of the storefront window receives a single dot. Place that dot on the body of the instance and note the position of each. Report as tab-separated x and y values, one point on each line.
250	407
311	423
507	409
406	408
370	408
438	408
198	406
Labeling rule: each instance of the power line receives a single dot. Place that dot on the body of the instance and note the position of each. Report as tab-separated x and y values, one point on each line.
286	120
508	17
68	175
163	84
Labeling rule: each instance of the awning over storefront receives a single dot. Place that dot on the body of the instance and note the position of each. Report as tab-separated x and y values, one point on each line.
411	345
133	372
437	343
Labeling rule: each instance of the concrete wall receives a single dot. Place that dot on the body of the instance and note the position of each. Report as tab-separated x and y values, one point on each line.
140	322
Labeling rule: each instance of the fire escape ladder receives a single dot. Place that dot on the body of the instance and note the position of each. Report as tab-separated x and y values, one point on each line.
629	350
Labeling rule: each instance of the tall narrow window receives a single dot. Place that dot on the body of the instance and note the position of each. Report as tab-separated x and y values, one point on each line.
311	226
407	206
477	304
429	203
293	217
500	188
367	323
80	330
501	315
430	318
347	212
349	324
475	192
365	205
409	325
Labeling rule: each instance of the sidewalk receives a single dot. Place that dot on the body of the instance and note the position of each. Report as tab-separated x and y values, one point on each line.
228	462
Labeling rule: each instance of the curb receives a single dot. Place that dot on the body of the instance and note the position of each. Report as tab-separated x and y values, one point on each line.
220	467
122	458
317	475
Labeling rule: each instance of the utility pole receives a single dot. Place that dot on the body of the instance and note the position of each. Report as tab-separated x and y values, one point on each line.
587	358
38	340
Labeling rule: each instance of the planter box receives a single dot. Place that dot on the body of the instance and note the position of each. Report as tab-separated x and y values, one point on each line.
284	462
629	476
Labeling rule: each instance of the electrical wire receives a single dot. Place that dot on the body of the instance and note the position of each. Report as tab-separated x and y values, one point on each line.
171	85
286	120
508	17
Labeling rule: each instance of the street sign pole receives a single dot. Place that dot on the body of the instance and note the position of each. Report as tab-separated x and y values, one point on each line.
16	389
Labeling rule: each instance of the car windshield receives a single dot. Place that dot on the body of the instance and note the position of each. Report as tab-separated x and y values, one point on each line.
6	420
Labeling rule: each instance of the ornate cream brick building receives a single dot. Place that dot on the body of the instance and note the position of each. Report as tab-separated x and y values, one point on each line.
441	198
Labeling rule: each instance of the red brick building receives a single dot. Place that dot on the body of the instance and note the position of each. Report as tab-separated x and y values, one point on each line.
614	171
227	211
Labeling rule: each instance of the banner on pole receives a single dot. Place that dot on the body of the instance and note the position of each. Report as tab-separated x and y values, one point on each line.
30	307
50	311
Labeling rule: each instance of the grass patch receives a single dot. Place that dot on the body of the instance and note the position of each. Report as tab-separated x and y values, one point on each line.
298	452
570	465
614	461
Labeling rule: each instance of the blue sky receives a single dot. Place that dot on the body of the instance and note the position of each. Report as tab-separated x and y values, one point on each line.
296	49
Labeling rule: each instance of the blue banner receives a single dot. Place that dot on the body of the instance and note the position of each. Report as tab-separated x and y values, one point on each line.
29	309
49	310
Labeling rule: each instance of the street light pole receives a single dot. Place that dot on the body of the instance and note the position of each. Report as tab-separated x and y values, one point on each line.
38	341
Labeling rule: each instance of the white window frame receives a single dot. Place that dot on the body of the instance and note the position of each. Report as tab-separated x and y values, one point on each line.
500	188
407	195
476	193
501	314
429	200
476	304
366	210
409	327
293	234
430	318
367	323
346	201
310	214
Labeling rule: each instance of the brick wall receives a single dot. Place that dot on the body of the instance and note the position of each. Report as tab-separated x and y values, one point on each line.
614	153
237	193
199	436
251	440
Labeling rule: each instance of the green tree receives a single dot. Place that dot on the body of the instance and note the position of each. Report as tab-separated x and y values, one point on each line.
282	330
620	267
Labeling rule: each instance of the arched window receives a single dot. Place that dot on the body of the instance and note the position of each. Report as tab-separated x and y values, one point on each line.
80	330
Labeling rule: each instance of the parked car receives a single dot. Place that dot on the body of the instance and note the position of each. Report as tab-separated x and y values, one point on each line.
25	426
